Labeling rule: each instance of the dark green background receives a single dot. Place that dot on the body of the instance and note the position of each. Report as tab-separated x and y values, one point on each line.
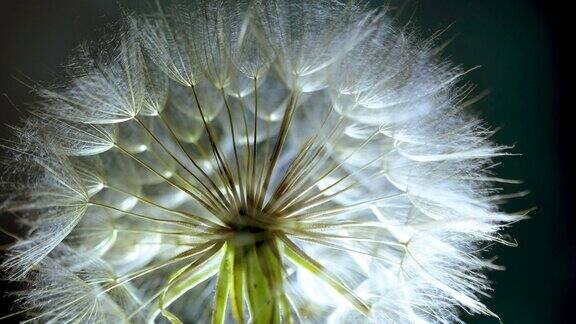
519	47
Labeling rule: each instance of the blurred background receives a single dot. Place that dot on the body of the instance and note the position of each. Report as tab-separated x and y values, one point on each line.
523	59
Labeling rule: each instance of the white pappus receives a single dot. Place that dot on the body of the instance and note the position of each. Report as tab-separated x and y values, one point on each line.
254	161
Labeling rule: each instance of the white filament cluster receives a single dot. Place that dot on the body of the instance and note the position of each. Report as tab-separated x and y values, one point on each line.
339	132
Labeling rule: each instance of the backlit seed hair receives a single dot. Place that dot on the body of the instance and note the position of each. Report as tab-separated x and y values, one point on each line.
254	161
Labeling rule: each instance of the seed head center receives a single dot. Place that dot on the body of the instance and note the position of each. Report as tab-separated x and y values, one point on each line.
250	227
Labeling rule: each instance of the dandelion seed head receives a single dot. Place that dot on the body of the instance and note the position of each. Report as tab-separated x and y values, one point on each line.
255	161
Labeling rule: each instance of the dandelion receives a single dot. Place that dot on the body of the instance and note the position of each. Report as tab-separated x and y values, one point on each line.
254	161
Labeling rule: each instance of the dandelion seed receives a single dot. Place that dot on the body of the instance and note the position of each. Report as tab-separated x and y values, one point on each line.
255	161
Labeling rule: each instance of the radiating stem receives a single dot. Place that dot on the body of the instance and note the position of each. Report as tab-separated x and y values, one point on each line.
284	127
300	258
221	161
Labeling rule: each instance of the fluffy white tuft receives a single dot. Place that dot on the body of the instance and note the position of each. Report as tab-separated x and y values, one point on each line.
262	161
